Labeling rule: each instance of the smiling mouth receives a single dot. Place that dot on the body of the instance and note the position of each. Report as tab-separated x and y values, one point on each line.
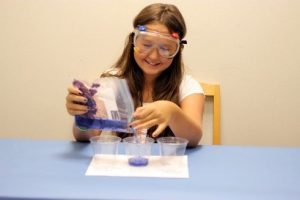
151	63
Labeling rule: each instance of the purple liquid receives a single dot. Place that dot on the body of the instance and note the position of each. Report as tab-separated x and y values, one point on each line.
138	161
102	124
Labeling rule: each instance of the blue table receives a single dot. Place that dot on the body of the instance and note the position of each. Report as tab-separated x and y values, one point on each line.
43	169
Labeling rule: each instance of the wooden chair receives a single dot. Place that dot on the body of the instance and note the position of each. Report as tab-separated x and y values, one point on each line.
213	90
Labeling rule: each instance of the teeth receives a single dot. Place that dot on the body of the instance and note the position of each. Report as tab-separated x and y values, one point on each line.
152	63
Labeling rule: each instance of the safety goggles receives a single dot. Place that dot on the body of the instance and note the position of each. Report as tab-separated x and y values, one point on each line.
145	41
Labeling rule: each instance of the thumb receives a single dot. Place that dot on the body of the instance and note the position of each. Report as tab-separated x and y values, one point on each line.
158	130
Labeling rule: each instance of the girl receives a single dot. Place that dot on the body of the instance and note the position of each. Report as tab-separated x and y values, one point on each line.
168	102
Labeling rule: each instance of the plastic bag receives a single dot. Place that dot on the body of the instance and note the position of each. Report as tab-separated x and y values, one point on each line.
110	105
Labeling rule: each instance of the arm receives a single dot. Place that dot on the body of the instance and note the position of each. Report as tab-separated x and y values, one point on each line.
185	121
84	136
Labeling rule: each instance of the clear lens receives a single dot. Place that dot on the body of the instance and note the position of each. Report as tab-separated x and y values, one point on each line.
167	46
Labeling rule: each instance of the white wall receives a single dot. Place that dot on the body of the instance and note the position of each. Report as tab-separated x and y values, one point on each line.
250	47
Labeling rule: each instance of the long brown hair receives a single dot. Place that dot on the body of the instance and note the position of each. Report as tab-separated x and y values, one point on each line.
166	86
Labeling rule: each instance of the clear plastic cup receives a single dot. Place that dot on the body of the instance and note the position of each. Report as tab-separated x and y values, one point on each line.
172	146
105	144
138	150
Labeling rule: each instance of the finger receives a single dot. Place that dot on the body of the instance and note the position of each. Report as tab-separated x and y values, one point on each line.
76	98
159	130
153	117
76	112
146	124
142	112
76	107
74	90
147	115
138	121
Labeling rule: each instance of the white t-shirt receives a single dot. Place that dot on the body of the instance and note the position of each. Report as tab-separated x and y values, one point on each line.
189	86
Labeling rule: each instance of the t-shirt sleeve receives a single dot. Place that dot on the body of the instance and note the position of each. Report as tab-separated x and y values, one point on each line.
189	86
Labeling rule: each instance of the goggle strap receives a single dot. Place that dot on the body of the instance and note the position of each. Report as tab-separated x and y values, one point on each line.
183	42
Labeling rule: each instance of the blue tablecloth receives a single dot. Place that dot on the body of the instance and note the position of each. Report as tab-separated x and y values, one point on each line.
45	169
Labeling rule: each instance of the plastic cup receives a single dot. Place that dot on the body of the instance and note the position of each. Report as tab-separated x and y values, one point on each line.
105	144
172	146
138	151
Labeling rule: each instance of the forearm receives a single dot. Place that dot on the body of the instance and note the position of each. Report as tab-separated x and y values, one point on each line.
84	135
185	126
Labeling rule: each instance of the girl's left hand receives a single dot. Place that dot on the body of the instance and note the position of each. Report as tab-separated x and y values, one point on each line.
156	113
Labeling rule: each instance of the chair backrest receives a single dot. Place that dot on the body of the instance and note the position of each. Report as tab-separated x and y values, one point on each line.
213	90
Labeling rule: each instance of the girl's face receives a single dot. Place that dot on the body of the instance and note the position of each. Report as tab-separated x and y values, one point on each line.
153	64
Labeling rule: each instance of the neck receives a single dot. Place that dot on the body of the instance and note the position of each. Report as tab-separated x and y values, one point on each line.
149	80
147	90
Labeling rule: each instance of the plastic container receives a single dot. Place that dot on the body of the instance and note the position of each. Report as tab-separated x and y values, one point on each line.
110	105
105	144
137	150
172	146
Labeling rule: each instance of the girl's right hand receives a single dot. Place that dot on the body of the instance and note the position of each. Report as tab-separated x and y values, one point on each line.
75	102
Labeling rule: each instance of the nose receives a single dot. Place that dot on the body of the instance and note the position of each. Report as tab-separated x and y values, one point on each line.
154	54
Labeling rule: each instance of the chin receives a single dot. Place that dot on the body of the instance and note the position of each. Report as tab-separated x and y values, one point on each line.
152	72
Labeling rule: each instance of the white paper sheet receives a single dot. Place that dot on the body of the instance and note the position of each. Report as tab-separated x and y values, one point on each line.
158	166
